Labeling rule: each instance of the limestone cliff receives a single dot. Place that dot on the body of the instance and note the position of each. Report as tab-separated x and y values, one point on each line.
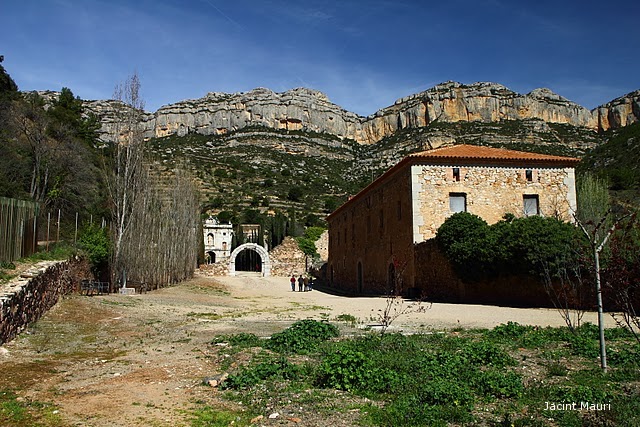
620	112
310	110
483	102
219	113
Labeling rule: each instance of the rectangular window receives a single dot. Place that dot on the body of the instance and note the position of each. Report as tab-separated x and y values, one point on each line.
457	202
528	175
531	205
456	174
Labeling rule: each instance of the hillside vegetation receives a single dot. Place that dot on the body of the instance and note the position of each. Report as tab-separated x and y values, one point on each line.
50	152
618	161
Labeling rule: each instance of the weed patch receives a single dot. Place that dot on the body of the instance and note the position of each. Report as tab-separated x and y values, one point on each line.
303	336
18	412
463	377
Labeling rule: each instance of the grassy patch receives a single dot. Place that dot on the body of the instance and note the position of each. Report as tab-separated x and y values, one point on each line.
130	302
20	412
503	376
208	416
57	251
207	316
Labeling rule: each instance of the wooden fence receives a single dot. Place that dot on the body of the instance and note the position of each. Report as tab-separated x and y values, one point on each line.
18	228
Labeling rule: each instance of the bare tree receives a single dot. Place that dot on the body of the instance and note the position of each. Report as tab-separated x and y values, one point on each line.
162	241
126	180
566	289
155	218
396	305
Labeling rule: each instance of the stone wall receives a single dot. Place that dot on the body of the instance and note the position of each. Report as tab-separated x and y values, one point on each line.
26	299
216	269
322	246
491	191
288	259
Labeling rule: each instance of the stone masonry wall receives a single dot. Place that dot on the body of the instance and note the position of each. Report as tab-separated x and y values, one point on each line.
26	299
491	191
287	259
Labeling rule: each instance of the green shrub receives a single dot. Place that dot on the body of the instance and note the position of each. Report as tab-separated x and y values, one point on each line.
7	265
462	237
582	344
496	384
446	391
350	369
519	335
528	245
302	337
94	242
248	376
485	353
510	330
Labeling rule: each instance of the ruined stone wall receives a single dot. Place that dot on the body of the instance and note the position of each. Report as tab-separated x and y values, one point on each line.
215	269
288	259
369	236
491	191
26	299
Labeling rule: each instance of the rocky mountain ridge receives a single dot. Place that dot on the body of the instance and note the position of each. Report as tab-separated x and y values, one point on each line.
311	111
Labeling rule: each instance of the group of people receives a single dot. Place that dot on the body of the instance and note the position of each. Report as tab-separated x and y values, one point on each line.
304	283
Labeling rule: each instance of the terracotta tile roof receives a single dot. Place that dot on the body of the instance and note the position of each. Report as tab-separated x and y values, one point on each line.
479	153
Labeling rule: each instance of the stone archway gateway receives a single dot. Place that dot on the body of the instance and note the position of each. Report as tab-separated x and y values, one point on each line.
264	255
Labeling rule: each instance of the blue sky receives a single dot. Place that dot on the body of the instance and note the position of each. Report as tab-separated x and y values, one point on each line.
363	54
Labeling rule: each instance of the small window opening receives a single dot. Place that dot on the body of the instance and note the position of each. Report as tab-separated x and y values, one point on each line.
456	174
529	175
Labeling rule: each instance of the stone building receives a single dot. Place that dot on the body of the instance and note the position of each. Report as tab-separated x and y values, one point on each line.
373	237
217	240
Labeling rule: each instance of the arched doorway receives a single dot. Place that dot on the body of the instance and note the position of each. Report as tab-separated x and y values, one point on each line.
211	257
250	257
248	260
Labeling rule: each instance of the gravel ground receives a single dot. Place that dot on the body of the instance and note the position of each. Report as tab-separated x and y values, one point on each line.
118	360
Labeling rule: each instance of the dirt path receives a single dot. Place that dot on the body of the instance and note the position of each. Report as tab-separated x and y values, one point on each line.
139	360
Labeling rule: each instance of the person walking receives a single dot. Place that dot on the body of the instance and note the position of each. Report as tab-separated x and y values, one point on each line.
293	282
300	283
306	284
